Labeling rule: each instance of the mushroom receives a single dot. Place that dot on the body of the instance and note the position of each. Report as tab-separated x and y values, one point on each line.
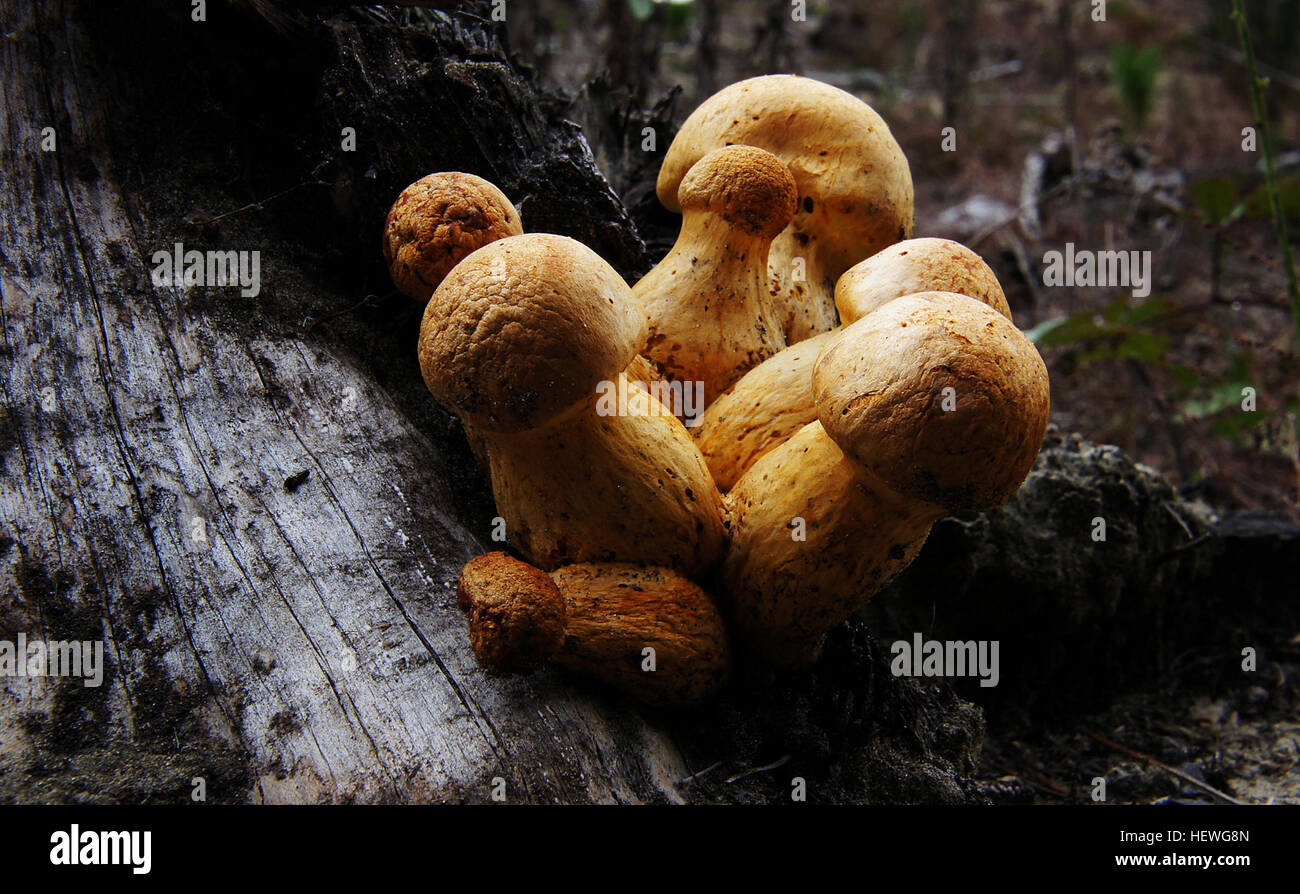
516	614
525	339
822	522
649	632
928	264
708	301
774	399
437	221
855	188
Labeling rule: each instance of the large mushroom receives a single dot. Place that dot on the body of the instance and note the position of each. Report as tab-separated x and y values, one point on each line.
933	404
855	188
526	339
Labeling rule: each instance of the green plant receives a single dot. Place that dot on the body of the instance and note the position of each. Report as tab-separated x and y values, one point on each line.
1196	393
1133	73
1257	85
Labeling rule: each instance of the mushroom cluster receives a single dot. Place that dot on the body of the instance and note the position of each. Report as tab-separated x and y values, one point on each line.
858	386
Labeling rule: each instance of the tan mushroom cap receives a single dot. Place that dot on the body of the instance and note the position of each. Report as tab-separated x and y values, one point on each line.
880	392
917	265
517	615
437	221
524	329
749	188
855	187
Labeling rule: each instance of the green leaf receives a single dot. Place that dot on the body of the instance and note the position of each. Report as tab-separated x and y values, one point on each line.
1218	199
1065	330
1256	205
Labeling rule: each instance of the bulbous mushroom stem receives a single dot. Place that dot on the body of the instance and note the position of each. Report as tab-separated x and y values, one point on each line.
609	482
934	403
708	301
646	631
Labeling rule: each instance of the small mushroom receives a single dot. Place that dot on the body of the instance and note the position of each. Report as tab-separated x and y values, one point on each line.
855	188
917	265
516	614
525	339
708	301
933	404
646	631
437	221
774	399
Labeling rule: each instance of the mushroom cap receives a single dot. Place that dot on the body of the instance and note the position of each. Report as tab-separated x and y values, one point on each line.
917	265
749	188
880	393
437	221
517	615
524	329
855	188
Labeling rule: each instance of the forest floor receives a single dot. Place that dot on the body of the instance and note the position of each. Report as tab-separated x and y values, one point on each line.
1186	734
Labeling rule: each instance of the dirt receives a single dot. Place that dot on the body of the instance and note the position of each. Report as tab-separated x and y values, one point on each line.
1237	732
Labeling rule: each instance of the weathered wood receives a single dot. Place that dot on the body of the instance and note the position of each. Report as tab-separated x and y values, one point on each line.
286	645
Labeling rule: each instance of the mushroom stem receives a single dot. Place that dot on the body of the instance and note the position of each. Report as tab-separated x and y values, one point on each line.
801	286
813	536
708	301
647	631
616	479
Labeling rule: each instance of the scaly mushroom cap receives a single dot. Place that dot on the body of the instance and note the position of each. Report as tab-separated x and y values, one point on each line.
524	329
517	615
749	188
881	396
917	265
855	188
437	221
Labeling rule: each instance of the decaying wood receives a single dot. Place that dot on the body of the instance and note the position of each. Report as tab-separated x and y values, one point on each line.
285	643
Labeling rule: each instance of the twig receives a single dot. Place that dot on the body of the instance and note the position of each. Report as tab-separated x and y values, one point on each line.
1273	73
325	318
1014	216
1039	780
704	772
259	203
772	766
1185	777
1257	85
